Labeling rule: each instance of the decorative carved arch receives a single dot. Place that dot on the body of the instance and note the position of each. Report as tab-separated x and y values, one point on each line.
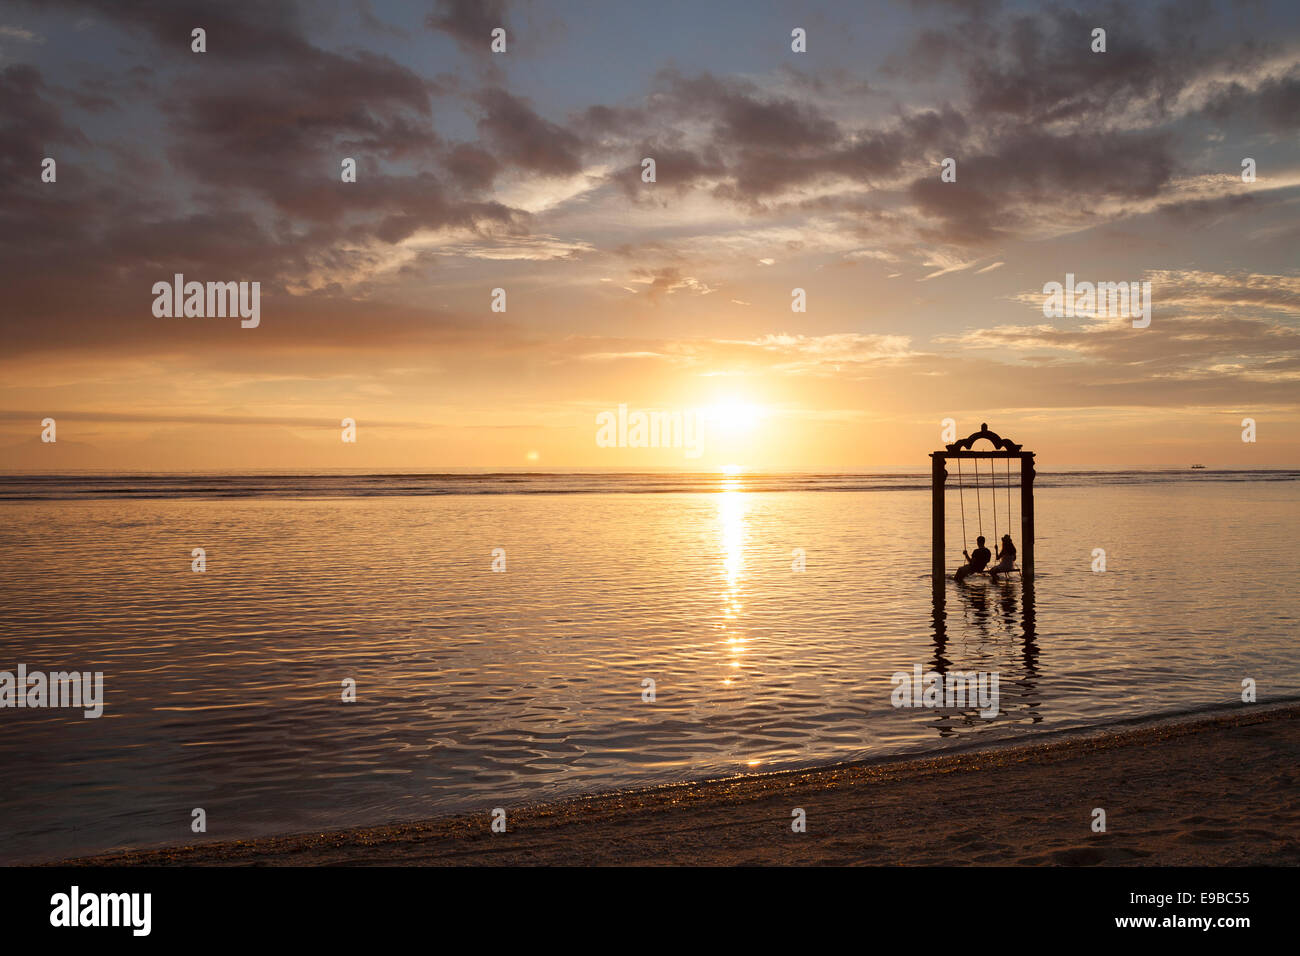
999	443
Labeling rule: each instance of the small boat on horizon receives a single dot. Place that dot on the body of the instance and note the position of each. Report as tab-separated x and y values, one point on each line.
1198	466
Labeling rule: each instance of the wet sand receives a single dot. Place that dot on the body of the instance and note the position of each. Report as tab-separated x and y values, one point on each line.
1216	790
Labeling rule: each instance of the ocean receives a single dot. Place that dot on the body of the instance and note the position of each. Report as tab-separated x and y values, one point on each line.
770	613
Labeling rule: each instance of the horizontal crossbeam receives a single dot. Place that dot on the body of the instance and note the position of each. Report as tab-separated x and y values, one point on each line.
981	454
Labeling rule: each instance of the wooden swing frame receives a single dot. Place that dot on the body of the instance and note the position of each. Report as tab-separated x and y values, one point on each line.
1002	448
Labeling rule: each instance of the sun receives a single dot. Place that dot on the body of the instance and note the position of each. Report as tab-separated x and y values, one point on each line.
733	417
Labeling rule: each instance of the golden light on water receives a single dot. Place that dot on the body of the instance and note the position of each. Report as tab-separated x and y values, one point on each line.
733	505
733	508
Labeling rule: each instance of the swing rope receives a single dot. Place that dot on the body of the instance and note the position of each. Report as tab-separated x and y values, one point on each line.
993	493
979	501
961	493
1008	494
1014	567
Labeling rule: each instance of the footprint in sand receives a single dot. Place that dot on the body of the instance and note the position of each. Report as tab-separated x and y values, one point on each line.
1087	856
1207	836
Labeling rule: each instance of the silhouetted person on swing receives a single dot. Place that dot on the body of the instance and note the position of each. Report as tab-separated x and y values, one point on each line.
974	562
1006	558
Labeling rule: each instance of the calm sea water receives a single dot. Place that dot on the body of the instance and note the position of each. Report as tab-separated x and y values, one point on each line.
477	689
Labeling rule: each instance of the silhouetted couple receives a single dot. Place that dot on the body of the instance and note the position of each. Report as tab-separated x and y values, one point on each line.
975	563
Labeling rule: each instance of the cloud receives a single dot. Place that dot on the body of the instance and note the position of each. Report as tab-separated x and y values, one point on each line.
269	129
1203	324
943	263
31	124
667	280
254	32
1034	178
819	353
1272	105
536	248
1206	292
21	34
525	139
469	22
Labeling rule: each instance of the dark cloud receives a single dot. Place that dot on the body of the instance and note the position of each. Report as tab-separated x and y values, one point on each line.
31	125
741	115
239	31
246	180
676	168
469	22
524	139
410	203
471	166
1196	211
1274	106
759	145
283	130
997	193
1039	67
603	120
969	213
38	219
973	8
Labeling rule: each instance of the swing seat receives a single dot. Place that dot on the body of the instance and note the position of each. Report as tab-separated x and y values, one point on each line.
987	575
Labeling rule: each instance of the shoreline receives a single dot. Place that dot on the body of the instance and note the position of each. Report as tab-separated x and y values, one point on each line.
1212	790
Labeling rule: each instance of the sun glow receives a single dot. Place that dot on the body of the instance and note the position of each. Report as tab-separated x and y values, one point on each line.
732	426
733	417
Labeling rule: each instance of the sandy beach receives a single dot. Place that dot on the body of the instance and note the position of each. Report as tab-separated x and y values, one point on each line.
1215	790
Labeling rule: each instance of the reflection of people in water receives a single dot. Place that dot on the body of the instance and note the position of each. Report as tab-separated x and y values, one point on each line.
1006	558
974	562
985	626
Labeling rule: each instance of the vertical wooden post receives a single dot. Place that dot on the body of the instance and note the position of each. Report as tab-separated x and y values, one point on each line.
1027	515
938	476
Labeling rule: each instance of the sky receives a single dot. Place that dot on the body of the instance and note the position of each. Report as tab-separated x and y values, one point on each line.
522	170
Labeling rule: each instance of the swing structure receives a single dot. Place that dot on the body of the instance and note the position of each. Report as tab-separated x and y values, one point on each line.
1005	449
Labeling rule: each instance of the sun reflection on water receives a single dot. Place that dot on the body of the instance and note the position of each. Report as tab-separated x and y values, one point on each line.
733	507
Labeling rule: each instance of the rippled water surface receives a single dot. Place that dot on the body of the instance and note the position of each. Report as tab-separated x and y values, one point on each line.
478	689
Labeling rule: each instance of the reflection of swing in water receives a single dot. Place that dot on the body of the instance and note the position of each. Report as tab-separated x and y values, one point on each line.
977	562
